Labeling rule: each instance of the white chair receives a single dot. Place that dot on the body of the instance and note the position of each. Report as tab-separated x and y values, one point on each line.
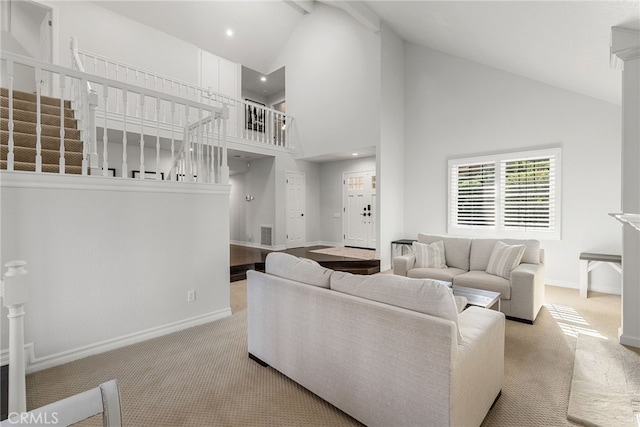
104	399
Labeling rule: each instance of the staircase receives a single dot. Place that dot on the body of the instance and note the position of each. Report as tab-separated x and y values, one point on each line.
24	133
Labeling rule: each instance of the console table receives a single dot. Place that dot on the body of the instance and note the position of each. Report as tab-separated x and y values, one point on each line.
589	261
402	244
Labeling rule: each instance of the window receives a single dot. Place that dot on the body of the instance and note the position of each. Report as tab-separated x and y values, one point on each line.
506	195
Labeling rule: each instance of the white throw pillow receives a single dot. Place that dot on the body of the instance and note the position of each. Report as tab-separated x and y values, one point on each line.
430	255
504	258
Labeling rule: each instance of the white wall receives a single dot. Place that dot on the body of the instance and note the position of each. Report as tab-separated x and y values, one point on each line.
260	182
332	83
390	155
238	208
457	108
331	195
106	33
113	259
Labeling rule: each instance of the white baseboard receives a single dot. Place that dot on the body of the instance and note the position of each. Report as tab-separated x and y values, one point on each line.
631	341
323	243
614	290
34	364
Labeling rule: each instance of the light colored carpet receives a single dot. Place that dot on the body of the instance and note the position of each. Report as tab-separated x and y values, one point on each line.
347	252
605	385
203	377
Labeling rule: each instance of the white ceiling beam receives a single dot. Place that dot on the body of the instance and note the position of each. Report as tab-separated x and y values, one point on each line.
625	44
360	13
304	6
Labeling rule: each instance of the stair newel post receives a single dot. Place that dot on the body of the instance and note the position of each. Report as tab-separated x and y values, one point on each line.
142	170
15	294
224	170
93	136
105	137
10	155
124	133
38	73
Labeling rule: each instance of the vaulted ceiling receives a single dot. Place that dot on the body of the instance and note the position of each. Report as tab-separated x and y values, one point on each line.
562	43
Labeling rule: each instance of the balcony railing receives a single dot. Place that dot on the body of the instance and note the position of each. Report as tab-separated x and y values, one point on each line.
248	121
156	120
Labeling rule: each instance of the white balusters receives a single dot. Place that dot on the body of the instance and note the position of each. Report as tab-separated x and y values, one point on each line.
61	164
38	73
10	154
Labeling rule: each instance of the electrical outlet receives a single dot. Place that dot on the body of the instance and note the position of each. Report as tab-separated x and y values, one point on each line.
191	296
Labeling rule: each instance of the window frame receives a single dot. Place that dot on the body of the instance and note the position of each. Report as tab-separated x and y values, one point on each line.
498	229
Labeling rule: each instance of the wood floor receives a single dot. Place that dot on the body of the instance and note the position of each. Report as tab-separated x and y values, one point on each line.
244	258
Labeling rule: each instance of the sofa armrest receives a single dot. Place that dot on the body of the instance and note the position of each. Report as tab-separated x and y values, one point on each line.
478	372
403	263
527	290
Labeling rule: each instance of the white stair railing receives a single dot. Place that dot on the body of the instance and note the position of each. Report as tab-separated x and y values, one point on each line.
15	294
154	115
249	121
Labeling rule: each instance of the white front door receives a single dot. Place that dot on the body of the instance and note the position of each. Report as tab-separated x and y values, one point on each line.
359	209
295	206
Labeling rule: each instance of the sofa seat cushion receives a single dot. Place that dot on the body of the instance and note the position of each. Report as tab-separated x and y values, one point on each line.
446	274
299	269
422	295
486	281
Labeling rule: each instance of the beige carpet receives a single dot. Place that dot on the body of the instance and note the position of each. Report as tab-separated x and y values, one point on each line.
605	387
347	252
203	377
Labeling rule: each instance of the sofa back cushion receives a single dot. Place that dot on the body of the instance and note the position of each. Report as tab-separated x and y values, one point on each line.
422	295
456	249
481	251
300	269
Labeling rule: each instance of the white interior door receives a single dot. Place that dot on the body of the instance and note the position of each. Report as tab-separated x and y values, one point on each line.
295	206
359	209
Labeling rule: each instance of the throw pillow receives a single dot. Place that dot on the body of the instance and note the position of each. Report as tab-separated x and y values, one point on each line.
430	255
504	258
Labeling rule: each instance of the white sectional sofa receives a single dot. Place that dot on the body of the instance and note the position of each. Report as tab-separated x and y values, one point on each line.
467	259
366	344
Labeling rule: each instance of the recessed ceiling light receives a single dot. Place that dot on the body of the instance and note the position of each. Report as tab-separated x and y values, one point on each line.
354	154
229	32
263	79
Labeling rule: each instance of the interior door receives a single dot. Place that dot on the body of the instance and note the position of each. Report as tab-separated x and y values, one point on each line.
295	206
359	209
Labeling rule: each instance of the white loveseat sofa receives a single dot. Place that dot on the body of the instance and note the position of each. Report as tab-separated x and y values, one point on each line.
467	259
380	362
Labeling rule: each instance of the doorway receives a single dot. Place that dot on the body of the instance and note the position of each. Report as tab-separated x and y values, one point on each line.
359	208
295	209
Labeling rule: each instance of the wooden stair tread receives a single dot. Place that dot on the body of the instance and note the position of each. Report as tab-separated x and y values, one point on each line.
47	142
31	167
31	97
46	130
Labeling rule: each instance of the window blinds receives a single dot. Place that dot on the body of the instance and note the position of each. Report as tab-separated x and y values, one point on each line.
513	193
